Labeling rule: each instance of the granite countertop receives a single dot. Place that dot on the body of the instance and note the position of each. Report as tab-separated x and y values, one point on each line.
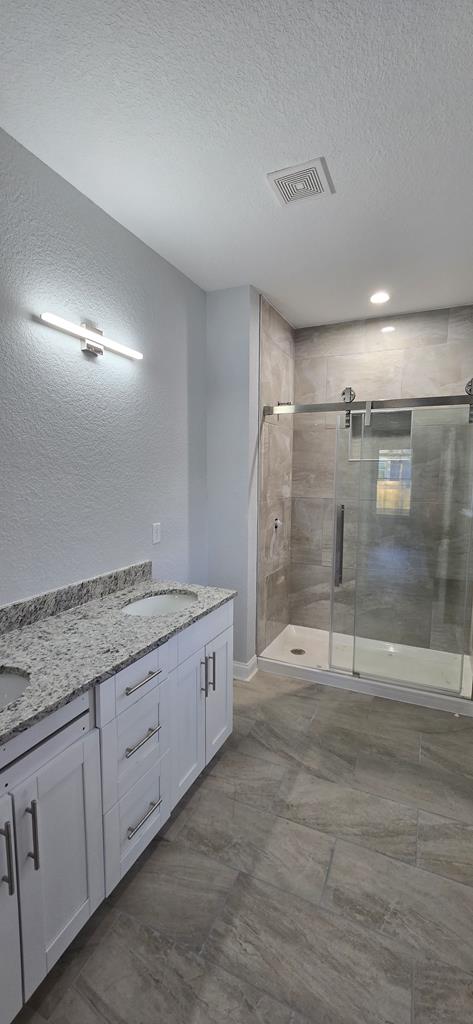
67	653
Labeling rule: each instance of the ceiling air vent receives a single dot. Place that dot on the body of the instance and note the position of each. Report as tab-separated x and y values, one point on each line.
306	181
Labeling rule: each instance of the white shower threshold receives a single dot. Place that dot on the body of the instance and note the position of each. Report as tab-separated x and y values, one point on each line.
414	674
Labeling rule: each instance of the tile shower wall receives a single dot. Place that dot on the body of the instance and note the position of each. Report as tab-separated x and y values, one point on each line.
276	385
428	353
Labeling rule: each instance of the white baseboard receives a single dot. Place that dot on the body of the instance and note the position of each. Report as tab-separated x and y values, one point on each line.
245	670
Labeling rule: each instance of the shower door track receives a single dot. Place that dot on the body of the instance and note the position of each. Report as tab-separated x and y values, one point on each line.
385	403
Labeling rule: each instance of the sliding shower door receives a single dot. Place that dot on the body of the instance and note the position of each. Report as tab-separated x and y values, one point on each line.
402	595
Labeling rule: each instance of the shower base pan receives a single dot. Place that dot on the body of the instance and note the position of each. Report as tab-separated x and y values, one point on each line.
414	674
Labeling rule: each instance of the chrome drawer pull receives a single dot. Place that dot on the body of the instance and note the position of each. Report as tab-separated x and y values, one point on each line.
9	878
152	808
151	675
151	732
33	810
214	673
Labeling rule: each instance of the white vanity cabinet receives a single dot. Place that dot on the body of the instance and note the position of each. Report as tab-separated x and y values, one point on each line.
161	720
51	856
11	994
59	849
219	692
188	743
79	807
203	710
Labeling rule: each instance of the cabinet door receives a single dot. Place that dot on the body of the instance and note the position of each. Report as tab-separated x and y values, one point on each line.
58	821
11	998
219	703
188	713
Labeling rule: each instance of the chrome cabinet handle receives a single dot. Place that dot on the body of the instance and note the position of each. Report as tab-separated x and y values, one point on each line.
205	687
152	808
214	671
151	732
151	675
33	810
9	878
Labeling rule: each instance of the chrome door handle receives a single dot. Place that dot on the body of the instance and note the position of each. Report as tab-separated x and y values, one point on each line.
9	878
33	810
151	675
149	735
152	808
214	671
339	533
205	687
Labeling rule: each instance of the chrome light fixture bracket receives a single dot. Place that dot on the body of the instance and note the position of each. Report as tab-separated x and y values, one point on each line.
93	348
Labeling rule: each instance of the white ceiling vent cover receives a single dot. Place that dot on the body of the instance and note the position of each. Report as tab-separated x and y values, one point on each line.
305	181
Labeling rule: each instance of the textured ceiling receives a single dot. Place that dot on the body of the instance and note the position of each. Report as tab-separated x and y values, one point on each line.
169	113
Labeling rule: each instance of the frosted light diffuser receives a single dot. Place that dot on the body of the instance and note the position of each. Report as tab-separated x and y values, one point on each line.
379	297
388	329
78	331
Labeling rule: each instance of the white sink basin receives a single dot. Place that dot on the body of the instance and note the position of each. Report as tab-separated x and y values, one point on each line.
12	685
161	604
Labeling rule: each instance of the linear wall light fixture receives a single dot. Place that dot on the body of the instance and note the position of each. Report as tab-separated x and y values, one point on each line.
92	339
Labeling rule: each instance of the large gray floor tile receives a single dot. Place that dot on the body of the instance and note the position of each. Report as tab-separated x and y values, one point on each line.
76	1008
176	890
432	916
429	788
50	993
265	688
393	715
251	780
375	823
445	847
442	995
327	968
139	977
453	752
282	852
348	742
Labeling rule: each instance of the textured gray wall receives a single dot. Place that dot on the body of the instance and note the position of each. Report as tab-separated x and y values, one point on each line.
232	446
93	451
276	384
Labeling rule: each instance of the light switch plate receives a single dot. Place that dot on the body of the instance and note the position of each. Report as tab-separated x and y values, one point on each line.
156	533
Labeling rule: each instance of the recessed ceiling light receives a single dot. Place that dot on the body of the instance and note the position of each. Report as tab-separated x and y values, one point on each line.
388	329
379	297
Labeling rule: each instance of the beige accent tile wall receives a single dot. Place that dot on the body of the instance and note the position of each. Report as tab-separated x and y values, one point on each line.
428	353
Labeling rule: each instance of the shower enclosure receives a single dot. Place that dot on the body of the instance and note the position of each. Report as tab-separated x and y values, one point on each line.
398	537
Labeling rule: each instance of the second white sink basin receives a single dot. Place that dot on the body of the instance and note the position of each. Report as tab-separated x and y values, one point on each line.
12	685
161	604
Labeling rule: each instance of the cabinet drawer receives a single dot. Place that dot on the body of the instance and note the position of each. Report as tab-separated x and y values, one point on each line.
136	680
135	819
134	742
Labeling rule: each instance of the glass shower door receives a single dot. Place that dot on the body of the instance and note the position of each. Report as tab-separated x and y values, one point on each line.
412	593
344	544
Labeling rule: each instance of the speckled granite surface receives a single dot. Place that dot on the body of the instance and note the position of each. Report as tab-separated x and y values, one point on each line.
23	613
67	653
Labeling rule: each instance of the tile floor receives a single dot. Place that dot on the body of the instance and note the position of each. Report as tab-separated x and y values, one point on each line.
320	872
